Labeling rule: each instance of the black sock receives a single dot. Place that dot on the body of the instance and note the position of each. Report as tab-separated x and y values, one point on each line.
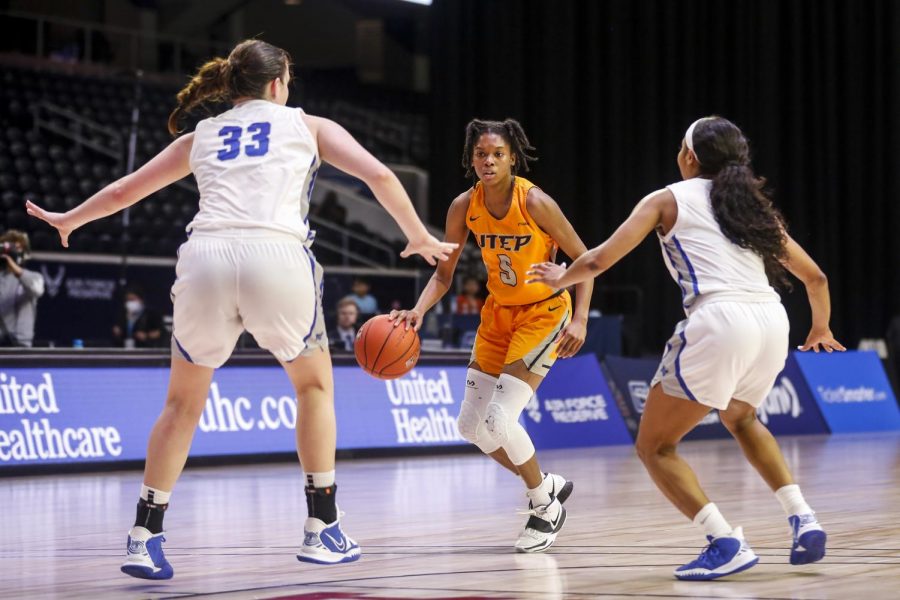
320	503
150	516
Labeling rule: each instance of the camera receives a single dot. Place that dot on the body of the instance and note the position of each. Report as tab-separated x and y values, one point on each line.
12	250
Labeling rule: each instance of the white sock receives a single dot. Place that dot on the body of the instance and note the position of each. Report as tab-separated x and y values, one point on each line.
538	496
711	522
792	501
320	480
546	482
153	495
541	497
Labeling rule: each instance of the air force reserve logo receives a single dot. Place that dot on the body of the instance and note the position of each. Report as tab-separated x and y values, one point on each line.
53	282
533	408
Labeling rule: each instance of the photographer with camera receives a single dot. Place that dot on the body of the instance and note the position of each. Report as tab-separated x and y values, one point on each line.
19	291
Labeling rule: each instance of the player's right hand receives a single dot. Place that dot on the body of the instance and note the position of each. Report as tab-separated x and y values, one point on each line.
410	318
57	220
822	337
430	248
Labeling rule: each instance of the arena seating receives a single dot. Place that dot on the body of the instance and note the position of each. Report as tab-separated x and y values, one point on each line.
57	172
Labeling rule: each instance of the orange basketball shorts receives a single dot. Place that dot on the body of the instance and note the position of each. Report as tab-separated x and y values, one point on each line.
528	333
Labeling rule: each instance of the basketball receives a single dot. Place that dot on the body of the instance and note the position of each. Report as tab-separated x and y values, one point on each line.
385	351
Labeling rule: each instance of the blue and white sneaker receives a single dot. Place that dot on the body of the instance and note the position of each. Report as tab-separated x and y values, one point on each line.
542	527
809	539
326	544
144	556
724	556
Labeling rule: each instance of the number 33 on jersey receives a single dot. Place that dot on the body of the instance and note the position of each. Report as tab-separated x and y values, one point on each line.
256	165
259	136
509	246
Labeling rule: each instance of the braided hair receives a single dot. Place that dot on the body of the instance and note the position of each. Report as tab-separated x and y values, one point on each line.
512	133
742	208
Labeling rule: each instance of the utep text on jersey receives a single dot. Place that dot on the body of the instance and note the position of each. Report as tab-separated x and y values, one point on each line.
509	246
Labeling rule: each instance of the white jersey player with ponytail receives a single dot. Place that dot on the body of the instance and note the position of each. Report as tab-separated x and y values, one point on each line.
248	266
723	242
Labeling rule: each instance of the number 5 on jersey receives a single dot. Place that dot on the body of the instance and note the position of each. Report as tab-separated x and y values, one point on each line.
231	135
507	274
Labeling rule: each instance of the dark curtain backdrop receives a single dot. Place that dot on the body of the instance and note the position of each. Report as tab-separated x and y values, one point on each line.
606	88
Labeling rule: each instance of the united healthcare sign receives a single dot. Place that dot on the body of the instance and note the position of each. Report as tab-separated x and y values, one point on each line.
71	415
60	415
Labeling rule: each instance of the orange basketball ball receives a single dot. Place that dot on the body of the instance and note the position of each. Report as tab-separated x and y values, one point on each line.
385	351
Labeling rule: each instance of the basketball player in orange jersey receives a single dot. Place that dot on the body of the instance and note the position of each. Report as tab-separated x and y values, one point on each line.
524	327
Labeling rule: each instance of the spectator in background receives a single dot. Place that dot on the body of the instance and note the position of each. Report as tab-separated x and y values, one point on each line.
19	291
137	326
342	337
470	301
365	302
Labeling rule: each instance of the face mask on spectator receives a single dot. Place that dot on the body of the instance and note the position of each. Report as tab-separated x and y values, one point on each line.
134	306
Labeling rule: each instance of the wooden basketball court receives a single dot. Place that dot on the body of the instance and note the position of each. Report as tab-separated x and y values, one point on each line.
444	527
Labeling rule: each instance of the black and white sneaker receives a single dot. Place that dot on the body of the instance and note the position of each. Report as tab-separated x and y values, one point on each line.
542	527
557	487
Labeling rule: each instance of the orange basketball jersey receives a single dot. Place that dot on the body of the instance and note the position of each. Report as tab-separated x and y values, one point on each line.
509	246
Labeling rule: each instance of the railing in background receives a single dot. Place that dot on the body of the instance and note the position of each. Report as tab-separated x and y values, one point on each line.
90	286
374	128
109	142
183	51
345	235
80	130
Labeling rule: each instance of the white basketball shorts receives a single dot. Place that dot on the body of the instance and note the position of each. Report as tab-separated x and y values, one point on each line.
267	283
726	350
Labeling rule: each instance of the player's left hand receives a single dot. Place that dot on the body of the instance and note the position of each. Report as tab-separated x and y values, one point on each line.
547	273
571	338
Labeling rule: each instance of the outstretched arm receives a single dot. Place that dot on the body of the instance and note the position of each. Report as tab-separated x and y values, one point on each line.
165	168
550	218
643	219
456	232
804	268
339	148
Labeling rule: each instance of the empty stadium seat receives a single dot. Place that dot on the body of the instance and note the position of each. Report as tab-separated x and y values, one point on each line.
60	174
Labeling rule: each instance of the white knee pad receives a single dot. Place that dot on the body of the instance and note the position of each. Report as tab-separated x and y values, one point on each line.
501	418
496	424
470	422
519	447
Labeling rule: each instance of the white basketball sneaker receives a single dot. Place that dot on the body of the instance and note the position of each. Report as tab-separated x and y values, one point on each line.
542	527
326	544
557	487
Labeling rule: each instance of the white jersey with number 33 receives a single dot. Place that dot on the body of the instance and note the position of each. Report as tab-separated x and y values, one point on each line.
255	166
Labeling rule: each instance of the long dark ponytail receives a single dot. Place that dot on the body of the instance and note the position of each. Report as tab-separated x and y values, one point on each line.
249	67
743	210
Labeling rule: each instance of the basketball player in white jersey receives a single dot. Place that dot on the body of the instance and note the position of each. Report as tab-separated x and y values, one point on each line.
723	242
248	265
